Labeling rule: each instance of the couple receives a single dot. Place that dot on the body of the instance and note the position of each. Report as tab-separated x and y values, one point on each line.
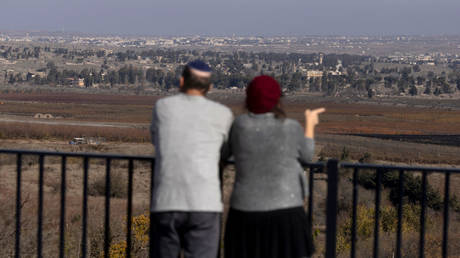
191	135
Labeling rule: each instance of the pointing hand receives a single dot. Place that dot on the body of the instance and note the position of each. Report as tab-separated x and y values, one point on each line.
311	120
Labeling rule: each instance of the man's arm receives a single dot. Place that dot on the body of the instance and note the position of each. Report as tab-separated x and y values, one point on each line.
226	151
154	125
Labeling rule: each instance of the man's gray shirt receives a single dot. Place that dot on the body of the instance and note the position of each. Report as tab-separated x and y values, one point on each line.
268	152
188	133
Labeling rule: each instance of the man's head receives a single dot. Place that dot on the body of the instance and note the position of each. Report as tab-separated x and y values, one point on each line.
196	78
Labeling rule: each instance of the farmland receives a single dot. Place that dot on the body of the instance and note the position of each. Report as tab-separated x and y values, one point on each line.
125	118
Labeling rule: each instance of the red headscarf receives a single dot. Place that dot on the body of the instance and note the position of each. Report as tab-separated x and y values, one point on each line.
262	94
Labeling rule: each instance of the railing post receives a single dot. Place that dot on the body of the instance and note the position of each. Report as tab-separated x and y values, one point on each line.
332	197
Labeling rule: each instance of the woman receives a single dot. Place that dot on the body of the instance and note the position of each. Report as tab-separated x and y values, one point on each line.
266	217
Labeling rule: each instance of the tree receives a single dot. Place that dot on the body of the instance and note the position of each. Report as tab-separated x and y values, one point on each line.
430	75
315	84
370	93
12	79
437	91
389	81
113	78
52	75
29	76
420	80
100	53
428	88
131	75
405	70
37	51
331	88
446	88
50	65
296	82
413	90
402	85
123	75
255	66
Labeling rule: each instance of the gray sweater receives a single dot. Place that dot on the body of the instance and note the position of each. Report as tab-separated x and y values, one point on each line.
188	133
267	152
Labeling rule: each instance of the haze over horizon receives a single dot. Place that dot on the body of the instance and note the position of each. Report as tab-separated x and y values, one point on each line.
224	18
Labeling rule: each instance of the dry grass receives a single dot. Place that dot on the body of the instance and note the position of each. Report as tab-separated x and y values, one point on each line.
340	118
74	206
68	132
332	146
141	202
387	237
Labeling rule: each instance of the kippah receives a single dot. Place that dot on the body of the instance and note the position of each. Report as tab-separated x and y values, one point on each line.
199	65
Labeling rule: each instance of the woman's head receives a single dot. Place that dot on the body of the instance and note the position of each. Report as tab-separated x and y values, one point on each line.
263	95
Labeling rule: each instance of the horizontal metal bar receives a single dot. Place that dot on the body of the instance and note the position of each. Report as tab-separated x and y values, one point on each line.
315	165
318	166
405	168
114	156
77	154
306	165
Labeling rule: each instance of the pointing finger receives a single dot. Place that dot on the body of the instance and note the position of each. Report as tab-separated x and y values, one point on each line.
319	110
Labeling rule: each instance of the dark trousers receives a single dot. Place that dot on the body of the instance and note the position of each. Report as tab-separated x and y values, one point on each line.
197	233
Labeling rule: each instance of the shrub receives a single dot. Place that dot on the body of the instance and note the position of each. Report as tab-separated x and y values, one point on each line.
345	155
117	250
388	223
321	156
140	229
118	186
67	132
366	158
412	187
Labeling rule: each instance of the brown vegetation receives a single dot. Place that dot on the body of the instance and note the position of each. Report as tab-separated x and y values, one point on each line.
141	202
67	132
74	206
340	118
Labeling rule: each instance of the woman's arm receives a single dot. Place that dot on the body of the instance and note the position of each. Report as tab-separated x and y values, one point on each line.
311	120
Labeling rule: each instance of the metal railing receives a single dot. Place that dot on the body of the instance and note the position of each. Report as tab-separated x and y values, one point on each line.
331	168
380	170
84	233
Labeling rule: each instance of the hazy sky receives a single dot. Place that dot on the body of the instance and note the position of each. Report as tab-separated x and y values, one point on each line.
241	17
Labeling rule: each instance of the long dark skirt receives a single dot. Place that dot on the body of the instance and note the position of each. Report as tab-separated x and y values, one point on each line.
283	233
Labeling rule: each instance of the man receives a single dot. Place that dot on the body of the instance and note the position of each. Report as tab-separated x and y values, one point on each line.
188	132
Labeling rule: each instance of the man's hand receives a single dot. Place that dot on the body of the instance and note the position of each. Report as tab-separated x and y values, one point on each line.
311	120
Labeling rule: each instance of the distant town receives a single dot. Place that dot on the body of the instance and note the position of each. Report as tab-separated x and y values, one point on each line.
360	66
